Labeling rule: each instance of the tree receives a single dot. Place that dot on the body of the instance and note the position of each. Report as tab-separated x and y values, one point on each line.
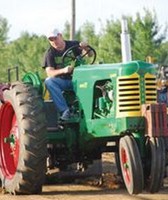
27	52
109	43
4	28
87	34
145	33
163	58
66	31
146	38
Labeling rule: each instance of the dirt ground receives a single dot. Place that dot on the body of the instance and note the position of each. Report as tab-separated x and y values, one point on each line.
110	187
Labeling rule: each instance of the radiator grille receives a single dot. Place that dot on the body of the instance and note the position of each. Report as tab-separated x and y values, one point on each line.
150	89
128	96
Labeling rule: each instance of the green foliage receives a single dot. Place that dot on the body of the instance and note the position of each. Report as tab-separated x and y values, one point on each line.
163	58
88	34
145	36
109	49
66	31
3	30
27	52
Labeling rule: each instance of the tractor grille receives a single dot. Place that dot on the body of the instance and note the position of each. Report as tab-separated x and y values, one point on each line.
150	89
128	96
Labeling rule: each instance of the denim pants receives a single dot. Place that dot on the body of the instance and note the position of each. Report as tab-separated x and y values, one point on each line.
56	86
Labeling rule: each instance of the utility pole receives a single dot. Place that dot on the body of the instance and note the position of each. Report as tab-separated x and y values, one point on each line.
73	19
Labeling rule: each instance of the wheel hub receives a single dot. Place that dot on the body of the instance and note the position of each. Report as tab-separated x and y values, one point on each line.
9	140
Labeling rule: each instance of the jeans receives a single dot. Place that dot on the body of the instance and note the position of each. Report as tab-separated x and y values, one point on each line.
56	86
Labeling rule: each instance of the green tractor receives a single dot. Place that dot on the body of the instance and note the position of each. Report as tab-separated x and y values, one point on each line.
114	109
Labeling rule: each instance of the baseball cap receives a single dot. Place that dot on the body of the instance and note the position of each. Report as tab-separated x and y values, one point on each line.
53	33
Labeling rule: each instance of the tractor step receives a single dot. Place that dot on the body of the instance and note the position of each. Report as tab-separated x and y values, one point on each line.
55	128
70	121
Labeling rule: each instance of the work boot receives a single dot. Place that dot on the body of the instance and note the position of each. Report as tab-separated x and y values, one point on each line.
65	115
50	163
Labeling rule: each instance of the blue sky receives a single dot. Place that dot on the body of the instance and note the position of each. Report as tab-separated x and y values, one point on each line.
39	16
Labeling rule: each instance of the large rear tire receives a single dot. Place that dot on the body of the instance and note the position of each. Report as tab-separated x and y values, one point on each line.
155	164
23	148
131	165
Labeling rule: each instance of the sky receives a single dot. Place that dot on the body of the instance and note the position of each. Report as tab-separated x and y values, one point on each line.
40	16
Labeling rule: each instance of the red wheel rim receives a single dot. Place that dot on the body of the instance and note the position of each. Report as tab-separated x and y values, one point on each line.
9	140
125	166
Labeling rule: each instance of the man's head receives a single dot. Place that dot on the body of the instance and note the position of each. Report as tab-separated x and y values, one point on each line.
56	40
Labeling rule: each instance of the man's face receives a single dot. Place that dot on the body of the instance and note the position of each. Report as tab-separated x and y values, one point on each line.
57	42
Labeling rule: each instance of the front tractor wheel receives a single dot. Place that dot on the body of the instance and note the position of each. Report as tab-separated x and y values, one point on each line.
22	140
131	165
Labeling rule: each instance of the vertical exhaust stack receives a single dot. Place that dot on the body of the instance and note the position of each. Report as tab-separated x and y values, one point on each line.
125	41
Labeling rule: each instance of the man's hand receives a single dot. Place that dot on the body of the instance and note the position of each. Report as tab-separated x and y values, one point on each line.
83	45
86	48
67	69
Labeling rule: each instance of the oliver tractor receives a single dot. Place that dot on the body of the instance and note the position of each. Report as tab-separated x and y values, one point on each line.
111	104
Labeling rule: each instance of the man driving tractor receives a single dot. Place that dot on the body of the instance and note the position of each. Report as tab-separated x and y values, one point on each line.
59	76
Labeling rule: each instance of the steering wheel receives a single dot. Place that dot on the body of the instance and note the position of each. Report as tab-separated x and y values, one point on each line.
71	58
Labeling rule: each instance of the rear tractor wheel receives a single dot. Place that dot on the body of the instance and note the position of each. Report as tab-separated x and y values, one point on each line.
155	164
22	140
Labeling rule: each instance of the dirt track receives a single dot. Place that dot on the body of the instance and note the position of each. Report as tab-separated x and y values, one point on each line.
83	192
86	189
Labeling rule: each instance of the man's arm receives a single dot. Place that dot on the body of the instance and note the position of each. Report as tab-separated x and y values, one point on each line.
52	72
